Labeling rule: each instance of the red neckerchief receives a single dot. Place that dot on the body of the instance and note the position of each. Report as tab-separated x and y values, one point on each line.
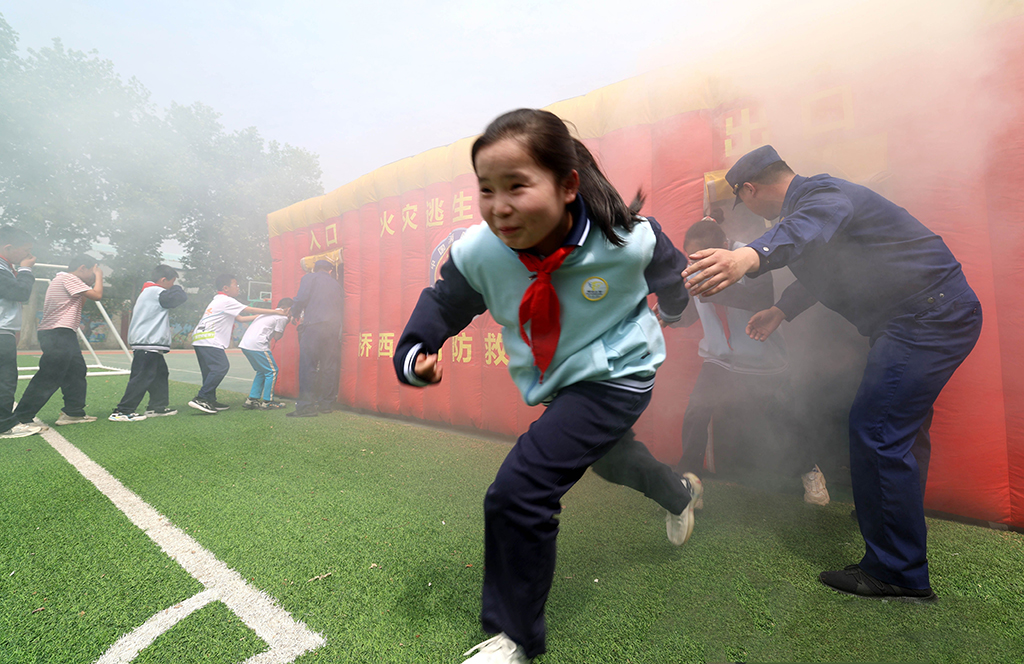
723	316
540	307
148	284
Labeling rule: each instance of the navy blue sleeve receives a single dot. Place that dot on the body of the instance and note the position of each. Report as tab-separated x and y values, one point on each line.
17	288
301	298
821	213
795	300
664	275
442	311
175	296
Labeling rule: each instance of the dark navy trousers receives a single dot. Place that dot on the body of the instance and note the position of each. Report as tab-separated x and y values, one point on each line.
911	359
8	380
319	365
149	374
764	400
586	425
61	366
213	365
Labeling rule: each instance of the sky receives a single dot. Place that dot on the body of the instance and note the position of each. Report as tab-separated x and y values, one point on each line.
365	84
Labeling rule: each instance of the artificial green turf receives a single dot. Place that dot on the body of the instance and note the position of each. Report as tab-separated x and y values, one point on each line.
75	573
211	634
393	513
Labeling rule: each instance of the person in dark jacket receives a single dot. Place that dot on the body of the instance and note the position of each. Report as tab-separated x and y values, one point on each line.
319	305
869	260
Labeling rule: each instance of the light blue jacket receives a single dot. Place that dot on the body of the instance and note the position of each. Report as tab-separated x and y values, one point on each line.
608	332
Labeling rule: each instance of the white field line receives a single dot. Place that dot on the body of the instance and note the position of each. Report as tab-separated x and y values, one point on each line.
132	643
286	637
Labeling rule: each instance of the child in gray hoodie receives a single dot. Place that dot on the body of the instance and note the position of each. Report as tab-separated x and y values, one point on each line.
149	335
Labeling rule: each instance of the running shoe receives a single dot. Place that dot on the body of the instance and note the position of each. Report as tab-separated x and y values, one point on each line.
73	419
161	412
20	431
203	405
497	650
815	492
679	527
126	417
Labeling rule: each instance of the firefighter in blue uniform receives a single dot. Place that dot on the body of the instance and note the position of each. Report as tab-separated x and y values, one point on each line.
881	269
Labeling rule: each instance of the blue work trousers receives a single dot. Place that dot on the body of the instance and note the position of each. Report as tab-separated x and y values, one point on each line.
586	425
319	365
911	359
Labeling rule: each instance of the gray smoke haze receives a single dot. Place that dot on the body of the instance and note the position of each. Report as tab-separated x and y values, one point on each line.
915	110
363	86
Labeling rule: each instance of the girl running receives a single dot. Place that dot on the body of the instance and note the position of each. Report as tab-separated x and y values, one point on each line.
565	266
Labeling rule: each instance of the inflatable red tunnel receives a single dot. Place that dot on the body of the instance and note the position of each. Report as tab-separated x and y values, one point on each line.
935	134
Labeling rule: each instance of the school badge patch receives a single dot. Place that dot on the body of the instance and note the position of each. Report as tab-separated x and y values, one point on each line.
440	254
595	288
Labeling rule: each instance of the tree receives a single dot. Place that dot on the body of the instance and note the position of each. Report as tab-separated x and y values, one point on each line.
234	181
70	130
87	155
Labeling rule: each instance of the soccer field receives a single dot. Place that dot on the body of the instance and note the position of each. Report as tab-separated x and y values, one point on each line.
252	536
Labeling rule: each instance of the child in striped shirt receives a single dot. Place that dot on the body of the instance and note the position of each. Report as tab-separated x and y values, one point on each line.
61	365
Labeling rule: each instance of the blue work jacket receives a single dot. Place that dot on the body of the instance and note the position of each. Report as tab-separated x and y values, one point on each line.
857	253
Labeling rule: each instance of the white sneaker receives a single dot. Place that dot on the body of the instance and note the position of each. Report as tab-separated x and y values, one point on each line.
41	424
203	405
20	431
497	650
815	492
70	419
163	412
126	417
678	527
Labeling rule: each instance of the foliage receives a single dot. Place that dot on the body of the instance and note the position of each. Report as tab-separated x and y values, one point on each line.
88	155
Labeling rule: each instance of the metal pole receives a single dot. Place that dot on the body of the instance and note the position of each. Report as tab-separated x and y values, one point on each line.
117	335
95	357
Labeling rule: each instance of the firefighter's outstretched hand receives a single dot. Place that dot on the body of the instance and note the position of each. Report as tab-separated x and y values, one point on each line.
713	270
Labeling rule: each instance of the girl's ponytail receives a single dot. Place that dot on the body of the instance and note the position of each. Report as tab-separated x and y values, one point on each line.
605	206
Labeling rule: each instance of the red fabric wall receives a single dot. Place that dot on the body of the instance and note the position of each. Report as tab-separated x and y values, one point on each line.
1004	193
960	177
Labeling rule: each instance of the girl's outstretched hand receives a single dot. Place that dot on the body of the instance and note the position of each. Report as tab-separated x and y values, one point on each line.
427	368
